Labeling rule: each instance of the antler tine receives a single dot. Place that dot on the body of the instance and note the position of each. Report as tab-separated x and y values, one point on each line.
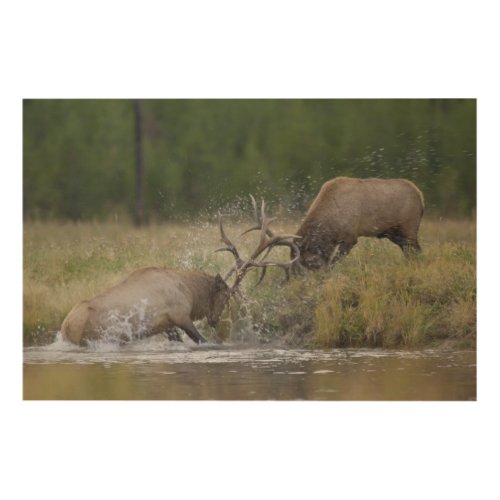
281	241
265	220
259	219
286	266
230	273
267	238
255	210
230	246
256	213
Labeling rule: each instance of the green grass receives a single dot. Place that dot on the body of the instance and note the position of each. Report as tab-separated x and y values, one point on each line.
374	297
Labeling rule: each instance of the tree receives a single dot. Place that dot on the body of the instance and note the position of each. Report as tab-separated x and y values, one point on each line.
139	166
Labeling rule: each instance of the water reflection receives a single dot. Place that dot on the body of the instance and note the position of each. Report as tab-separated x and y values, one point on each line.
230	373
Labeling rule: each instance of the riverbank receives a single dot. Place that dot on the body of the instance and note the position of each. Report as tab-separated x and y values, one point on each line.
374	298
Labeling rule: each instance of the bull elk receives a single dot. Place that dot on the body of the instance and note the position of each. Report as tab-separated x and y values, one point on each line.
156	300
347	208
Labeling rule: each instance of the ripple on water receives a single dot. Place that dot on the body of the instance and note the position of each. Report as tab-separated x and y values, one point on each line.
161	369
159	349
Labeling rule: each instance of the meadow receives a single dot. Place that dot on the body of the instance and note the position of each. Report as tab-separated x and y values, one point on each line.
373	298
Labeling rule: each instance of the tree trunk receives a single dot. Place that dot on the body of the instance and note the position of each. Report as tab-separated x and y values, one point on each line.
139	166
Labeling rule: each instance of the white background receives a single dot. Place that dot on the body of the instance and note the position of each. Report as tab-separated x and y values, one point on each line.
228	49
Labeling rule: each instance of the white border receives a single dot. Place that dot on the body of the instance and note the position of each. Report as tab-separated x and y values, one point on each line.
257	49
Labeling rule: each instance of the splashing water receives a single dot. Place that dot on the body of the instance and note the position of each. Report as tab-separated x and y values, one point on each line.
126	326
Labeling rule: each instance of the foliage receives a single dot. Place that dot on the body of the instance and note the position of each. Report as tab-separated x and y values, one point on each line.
202	154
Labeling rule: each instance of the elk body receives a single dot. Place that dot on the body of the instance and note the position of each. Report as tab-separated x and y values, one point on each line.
155	300
347	208
149	301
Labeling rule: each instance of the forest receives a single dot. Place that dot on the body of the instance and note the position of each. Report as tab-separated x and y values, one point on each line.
198	155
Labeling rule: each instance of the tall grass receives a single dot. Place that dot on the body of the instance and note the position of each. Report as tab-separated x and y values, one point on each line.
404	304
374	297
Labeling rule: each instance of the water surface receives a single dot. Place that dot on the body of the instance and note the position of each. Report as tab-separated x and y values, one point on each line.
155	369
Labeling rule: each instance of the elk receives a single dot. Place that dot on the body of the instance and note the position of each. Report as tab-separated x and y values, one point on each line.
347	208
156	300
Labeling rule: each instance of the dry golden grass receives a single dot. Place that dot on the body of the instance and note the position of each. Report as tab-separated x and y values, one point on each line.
374	297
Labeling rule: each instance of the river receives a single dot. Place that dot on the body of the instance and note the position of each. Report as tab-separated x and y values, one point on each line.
156	369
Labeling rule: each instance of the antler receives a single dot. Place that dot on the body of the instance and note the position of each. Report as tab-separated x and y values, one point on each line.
229	248
268	240
258	218
274	240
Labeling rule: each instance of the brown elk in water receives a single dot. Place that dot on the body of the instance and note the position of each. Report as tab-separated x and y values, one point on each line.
155	300
347	208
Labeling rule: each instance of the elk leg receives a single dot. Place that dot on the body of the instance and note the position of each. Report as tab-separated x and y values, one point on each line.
409	246
173	335
344	248
193	333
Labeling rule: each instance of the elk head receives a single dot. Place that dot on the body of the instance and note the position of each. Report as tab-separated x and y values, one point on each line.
218	300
